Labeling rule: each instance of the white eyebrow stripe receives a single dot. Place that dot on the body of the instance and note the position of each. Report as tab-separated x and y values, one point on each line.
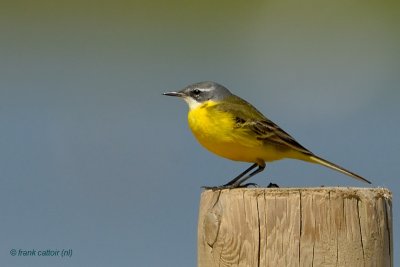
204	89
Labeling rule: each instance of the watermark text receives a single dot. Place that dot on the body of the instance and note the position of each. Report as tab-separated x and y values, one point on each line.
41	252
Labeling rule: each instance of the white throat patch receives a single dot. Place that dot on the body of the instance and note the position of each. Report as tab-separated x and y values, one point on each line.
191	102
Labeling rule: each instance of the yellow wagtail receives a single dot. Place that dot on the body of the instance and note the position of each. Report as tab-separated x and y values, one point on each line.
232	128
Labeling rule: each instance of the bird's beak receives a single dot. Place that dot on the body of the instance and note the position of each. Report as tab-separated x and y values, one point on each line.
178	94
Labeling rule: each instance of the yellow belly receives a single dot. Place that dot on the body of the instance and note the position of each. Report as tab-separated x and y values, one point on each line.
216	131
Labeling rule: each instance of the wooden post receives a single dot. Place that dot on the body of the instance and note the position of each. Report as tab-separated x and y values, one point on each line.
295	227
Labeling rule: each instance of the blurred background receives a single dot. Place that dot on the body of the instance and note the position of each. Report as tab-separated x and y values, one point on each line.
93	158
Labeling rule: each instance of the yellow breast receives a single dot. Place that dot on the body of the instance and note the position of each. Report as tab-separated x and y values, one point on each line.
217	131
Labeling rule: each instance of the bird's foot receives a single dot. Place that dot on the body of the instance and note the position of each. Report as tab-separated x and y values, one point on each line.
229	186
272	185
220	187
248	185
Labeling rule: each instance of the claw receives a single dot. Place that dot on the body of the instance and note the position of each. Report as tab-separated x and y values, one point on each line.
218	187
248	184
272	185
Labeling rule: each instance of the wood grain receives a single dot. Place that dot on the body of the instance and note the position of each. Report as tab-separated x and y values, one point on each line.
295	227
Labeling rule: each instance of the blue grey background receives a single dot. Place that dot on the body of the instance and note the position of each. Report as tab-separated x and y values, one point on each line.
93	158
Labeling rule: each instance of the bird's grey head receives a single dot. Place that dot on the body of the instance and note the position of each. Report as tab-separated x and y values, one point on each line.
198	93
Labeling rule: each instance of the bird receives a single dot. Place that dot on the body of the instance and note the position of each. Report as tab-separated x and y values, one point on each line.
232	128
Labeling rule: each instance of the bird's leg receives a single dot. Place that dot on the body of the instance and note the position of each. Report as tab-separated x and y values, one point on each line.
234	180
241	180
238	180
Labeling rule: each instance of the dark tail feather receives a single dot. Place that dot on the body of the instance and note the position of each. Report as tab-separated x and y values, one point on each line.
335	167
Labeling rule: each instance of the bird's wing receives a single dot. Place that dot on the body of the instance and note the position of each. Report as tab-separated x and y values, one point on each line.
268	131
250	119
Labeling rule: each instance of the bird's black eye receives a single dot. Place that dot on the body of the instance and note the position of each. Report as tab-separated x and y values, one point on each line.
196	92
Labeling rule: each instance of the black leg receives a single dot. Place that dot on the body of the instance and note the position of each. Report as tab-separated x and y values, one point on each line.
239	181
234	180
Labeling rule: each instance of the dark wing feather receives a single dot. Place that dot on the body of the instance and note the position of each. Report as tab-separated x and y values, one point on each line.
268	131
253	120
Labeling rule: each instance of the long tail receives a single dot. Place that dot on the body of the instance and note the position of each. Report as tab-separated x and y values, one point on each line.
335	167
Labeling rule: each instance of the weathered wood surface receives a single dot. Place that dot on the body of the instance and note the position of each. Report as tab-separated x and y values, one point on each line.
295	227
